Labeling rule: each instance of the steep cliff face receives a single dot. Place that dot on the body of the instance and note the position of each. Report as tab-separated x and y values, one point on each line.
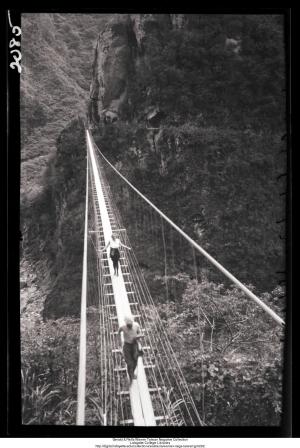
187	114
57	54
176	110
208	65
146	26
122	47
53	241
56	72
111	68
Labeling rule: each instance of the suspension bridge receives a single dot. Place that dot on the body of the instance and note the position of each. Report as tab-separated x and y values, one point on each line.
160	394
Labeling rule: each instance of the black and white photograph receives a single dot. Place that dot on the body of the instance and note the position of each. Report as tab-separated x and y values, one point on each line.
153	218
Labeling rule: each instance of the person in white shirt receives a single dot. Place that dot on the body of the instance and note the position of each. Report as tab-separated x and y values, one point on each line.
115	244
131	349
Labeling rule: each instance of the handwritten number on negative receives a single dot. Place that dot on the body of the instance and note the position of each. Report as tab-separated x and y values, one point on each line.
16	63
17	30
14	43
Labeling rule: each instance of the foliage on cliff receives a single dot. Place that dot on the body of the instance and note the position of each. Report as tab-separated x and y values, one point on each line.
193	73
53	240
230	353
56	71
218	147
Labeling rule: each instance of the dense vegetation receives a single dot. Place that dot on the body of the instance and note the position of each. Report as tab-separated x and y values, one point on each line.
52	241
194	76
233	367
56	71
225	177
217	153
218	148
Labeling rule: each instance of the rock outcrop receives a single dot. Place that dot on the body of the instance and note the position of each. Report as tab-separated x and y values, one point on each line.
110	69
121	46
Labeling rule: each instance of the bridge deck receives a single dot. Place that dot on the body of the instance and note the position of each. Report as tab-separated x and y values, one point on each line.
141	405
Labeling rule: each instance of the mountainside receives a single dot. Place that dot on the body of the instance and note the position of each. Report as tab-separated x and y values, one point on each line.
56	73
57	53
198	102
221	69
191	106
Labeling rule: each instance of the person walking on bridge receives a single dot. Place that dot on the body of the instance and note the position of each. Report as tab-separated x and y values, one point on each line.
131	348
115	244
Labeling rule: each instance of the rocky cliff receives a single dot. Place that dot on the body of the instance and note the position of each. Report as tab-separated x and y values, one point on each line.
56	72
121	48
176	92
57	54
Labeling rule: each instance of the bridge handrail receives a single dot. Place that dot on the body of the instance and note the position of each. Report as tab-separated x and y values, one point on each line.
80	414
